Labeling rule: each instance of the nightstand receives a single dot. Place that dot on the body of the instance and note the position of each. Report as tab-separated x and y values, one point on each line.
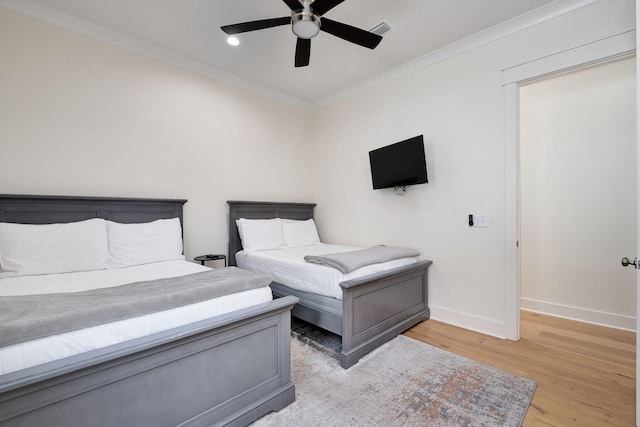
211	257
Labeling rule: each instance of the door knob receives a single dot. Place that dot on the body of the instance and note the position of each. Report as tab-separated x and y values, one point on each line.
626	262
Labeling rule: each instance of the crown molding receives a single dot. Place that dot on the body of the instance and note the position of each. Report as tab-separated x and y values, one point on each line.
504	29
70	22
73	23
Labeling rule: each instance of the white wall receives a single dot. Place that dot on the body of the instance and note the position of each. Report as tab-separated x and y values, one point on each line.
578	194
458	104
82	117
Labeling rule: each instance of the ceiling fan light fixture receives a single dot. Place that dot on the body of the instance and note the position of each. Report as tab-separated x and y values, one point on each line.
305	25
233	41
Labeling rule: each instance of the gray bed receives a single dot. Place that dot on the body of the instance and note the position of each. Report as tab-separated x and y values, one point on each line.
226	370
373	310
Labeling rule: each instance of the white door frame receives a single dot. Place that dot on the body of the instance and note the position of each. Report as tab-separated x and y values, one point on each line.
605	50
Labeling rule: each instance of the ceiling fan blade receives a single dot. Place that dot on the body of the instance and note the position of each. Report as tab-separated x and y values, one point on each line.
293	4
255	25
351	34
323	6
303	52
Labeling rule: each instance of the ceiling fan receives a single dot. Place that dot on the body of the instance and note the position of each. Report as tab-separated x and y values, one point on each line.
306	22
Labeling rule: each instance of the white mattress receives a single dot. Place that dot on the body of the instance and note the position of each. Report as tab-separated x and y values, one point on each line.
31	353
288	267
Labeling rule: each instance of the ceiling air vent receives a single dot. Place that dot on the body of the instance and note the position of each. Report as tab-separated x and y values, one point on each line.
381	28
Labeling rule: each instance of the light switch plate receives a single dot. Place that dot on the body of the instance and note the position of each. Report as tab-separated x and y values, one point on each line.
480	221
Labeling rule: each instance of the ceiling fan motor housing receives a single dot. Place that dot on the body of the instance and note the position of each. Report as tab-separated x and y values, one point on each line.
305	24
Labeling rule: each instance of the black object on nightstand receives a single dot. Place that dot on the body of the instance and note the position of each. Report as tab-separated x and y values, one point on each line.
211	257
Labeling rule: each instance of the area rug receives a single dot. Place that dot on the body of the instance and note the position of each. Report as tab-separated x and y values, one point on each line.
403	383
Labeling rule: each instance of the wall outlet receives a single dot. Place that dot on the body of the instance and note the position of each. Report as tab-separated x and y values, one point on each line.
480	221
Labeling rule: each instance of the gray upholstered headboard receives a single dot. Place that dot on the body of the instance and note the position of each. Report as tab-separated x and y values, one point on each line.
261	210
27	209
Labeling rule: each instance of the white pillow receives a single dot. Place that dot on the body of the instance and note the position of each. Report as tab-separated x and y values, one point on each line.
239	225
261	234
136	244
300	233
29	249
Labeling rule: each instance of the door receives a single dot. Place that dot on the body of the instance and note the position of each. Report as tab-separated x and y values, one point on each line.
638	226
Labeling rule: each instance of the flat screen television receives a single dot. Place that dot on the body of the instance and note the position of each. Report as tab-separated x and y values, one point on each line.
399	164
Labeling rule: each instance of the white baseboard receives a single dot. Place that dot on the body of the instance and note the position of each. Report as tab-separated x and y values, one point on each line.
463	320
611	320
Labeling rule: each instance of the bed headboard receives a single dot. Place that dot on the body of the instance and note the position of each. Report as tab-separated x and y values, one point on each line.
261	210
27	209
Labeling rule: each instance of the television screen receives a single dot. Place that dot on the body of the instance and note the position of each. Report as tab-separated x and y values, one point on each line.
399	164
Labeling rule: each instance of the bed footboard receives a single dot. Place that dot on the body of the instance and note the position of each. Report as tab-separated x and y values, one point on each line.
229	370
377	308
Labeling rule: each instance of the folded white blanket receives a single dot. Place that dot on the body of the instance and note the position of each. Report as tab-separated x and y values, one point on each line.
350	261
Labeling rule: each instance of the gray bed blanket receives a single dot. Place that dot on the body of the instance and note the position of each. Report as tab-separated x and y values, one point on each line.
28	317
348	261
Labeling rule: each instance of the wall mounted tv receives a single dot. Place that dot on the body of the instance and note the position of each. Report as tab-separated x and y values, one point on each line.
399	164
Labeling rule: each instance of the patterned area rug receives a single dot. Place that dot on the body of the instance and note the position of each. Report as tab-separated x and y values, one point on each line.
402	383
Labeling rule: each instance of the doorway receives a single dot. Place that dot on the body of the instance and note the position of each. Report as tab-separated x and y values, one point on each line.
606	50
578	194
610	49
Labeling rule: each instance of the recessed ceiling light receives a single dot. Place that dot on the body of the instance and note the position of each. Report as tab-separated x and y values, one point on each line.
233	41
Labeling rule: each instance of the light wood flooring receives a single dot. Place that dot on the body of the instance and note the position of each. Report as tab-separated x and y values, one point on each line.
585	373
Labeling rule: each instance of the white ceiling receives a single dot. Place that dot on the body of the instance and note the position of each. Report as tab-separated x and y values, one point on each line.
187	32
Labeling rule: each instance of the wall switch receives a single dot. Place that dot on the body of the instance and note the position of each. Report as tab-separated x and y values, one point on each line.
480	221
